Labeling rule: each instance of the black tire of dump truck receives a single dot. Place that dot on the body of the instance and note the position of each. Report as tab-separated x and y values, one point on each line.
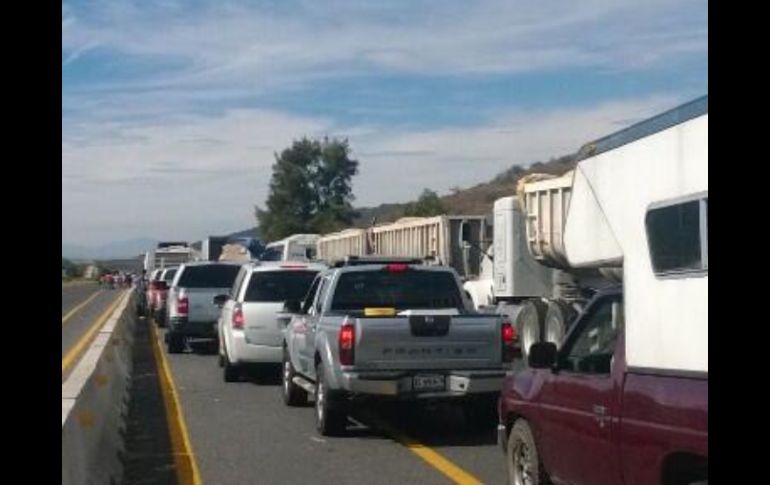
558	318
530	324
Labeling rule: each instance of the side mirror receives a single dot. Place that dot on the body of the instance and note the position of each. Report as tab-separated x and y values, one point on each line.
220	300
542	355
292	306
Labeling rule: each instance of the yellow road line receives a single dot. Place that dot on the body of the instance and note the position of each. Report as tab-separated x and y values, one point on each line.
430	456
74	353
187	472
81	305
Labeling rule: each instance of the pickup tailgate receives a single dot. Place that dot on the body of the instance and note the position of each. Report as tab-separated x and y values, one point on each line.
425	342
201	303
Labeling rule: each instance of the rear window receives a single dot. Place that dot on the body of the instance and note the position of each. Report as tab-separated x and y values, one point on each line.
279	286
209	276
169	276
411	289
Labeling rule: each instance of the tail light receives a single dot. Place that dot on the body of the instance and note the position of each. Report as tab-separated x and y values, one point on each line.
238	319
396	267
346	343
183	306
509	340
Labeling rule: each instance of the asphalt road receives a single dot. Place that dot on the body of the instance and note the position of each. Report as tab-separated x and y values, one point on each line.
243	433
83	306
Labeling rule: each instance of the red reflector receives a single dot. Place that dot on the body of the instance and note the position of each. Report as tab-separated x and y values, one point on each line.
238	319
183	306
396	267
509	333
346	343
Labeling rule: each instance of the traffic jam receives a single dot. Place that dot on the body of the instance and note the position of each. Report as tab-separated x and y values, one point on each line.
565	343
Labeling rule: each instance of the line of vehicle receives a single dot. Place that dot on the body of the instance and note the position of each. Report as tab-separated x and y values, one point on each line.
70	313
186	466
74	353
427	454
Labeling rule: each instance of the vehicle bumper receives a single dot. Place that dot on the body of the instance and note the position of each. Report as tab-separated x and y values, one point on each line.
244	352
182	326
458	383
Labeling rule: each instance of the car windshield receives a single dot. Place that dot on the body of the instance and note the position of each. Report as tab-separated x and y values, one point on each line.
278	286
169	276
209	276
411	289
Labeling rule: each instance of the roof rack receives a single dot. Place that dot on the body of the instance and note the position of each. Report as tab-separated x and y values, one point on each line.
361	260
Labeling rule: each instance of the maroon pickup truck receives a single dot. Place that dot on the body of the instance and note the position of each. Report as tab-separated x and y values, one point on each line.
579	415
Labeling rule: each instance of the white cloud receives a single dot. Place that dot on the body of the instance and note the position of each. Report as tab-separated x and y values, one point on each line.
199	175
228	43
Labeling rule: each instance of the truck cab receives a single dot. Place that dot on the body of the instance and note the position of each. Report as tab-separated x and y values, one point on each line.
579	415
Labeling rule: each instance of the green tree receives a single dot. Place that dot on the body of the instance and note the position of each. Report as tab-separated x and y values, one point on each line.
310	189
429	204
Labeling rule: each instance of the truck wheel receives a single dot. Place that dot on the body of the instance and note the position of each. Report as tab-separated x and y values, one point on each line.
557	319
529	324
175	343
524	465
293	395
231	372
330	413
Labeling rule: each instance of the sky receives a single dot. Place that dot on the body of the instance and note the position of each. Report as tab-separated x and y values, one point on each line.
172	111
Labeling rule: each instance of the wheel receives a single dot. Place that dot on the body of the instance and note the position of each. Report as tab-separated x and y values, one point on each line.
524	465
558	317
330	412
529	323
175	343
231	371
293	395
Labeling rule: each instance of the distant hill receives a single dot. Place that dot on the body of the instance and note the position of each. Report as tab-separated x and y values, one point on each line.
112	250
476	200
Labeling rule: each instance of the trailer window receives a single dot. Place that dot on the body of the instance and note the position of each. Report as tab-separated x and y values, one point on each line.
678	237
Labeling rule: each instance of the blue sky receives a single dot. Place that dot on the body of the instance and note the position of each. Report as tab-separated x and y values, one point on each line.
178	107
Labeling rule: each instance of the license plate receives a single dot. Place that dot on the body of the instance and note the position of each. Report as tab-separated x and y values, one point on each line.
428	383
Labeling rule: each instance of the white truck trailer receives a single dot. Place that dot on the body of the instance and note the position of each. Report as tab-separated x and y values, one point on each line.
634	210
167	255
447	240
297	247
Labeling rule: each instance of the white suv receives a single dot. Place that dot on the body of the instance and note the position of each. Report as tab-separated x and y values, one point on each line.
249	329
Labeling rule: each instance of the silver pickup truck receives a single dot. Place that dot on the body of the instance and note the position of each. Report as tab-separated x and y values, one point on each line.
390	328
190	309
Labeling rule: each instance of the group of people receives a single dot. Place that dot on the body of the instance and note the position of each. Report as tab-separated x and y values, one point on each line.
116	279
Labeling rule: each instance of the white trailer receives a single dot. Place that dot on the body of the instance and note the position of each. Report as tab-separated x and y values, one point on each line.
297	247
634	210
167	256
446	240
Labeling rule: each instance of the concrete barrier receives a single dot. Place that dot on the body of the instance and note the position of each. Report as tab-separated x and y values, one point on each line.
94	403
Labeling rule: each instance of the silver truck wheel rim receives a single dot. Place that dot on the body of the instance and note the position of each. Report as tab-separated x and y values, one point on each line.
522	465
530	335
552	332
319	401
286	373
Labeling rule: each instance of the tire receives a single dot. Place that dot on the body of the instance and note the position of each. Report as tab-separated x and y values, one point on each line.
174	343
558	318
231	372
293	395
523	460
330	412
529	324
